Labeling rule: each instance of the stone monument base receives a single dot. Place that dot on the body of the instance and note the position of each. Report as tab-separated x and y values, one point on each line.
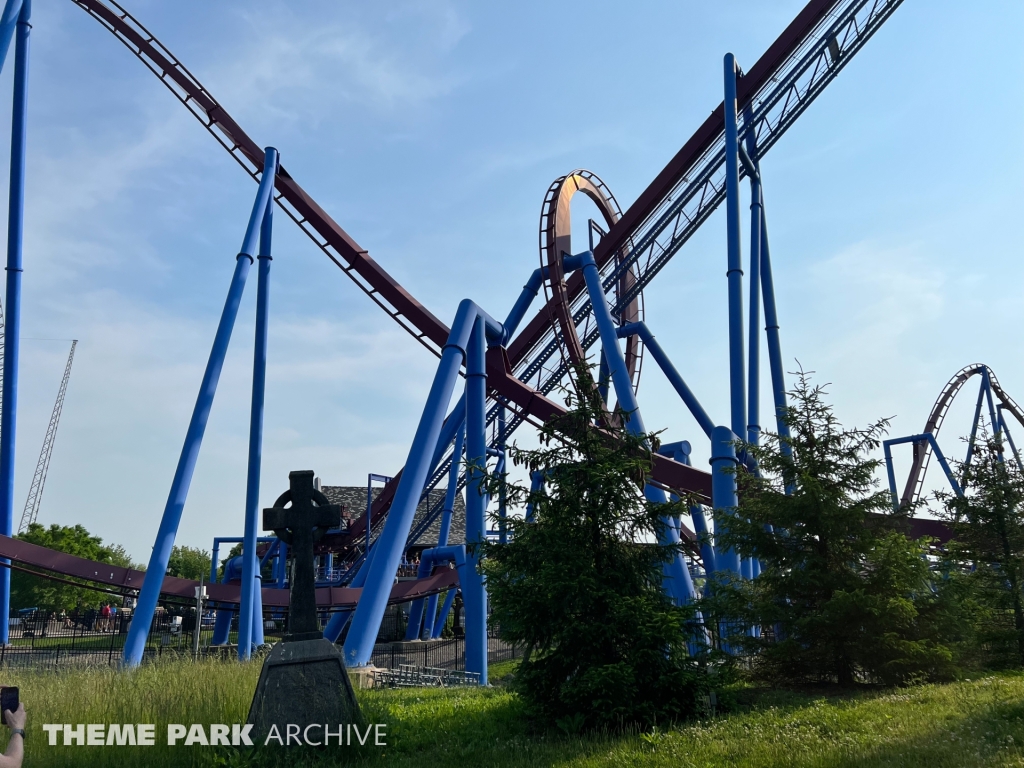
302	682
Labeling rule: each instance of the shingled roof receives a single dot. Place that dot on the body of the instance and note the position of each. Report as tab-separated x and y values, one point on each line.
353	501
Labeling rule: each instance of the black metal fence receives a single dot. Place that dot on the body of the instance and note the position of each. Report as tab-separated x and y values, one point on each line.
55	639
439	654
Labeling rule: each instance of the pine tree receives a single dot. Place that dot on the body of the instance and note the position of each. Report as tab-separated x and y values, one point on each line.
987	549
843	595
580	587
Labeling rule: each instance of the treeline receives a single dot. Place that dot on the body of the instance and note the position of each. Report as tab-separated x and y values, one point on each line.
31	591
843	595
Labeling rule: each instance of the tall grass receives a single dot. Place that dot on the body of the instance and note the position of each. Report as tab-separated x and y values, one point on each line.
979	723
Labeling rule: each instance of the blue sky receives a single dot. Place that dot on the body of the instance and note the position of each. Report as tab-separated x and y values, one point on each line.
430	131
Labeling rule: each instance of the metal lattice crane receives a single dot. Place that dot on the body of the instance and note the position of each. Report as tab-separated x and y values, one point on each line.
35	492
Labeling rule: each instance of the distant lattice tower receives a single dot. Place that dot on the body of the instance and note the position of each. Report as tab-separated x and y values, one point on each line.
35	492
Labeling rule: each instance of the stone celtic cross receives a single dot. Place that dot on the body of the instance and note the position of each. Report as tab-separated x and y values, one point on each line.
299	526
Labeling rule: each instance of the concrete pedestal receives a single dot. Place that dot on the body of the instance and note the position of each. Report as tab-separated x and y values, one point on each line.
302	682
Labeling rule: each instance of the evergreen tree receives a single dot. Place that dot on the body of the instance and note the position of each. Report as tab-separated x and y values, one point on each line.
581	587
843	595
987	549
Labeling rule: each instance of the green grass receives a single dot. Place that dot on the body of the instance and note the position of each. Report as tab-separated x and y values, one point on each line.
977	723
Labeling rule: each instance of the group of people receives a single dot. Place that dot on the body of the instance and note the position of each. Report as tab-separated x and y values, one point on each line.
105	620
409	567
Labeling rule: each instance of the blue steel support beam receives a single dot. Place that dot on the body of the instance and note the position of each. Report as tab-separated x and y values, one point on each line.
500	471
8	24
930	439
446	524
603	379
536	483
12	329
737	377
754	334
474	591
417	618
681	452
976	422
135	643
1009	437
677	576
391	542
771	327
993	418
250	617
723	493
684	392
442	617
529	293
222	624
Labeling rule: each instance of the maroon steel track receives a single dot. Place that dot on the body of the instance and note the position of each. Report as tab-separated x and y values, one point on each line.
128	579
922	451
678	167
301	207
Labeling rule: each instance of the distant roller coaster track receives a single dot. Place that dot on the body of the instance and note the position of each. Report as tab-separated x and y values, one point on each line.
922	450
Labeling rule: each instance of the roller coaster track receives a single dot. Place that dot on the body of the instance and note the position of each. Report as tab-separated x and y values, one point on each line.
922	450
124	581
337	244
779	87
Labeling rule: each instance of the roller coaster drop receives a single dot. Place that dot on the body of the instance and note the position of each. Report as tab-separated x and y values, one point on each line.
589	297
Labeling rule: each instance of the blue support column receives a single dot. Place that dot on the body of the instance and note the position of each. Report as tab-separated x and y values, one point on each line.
737	377
138	631
681	452
474	592
500	470
771	327
993	418
723	493
250	617
754	335
442	617
391	542
974	424
536	483
678	583
446	524
684	392
12	329
8	25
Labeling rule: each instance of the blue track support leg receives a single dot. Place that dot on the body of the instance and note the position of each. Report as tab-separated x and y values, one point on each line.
723	493
754	334
430	615
8	26
974	424
442	617
474	592
500	469
678	583
12	330
684	392
251	608
391	542
737	377
138	631
771	327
